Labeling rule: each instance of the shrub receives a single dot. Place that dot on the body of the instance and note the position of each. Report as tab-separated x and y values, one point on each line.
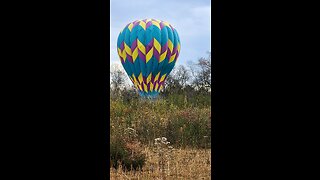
184	122
126	150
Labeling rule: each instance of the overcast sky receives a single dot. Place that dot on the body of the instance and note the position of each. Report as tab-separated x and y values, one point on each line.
191	19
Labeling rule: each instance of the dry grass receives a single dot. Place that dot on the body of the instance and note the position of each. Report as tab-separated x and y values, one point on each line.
184	164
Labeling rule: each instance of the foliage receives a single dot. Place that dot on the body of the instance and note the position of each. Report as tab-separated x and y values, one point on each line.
182	114
185	124
126	151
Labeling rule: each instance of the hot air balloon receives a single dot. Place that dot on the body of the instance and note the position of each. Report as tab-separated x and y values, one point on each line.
148	50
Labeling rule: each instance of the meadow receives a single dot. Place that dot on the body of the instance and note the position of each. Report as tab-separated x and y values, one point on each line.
185	164
165	138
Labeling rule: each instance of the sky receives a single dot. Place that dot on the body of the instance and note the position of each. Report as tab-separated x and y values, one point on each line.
191	19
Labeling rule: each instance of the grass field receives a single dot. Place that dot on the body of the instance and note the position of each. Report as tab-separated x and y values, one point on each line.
185	164
184	122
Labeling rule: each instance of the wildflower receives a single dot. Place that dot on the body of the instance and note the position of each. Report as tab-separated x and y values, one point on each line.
164	139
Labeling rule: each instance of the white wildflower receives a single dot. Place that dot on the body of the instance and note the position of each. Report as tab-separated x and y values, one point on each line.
164	139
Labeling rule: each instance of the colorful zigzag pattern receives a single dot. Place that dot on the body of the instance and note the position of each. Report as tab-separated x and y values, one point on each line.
148	50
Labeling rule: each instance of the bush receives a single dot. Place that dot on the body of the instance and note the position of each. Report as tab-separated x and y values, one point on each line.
126	150
184	128
179	118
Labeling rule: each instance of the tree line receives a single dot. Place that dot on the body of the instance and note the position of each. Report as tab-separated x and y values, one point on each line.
188	80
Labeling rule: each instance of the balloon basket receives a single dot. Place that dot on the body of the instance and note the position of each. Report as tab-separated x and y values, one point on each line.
149	95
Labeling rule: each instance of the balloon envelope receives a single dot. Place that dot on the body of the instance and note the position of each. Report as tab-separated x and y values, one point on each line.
148	50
